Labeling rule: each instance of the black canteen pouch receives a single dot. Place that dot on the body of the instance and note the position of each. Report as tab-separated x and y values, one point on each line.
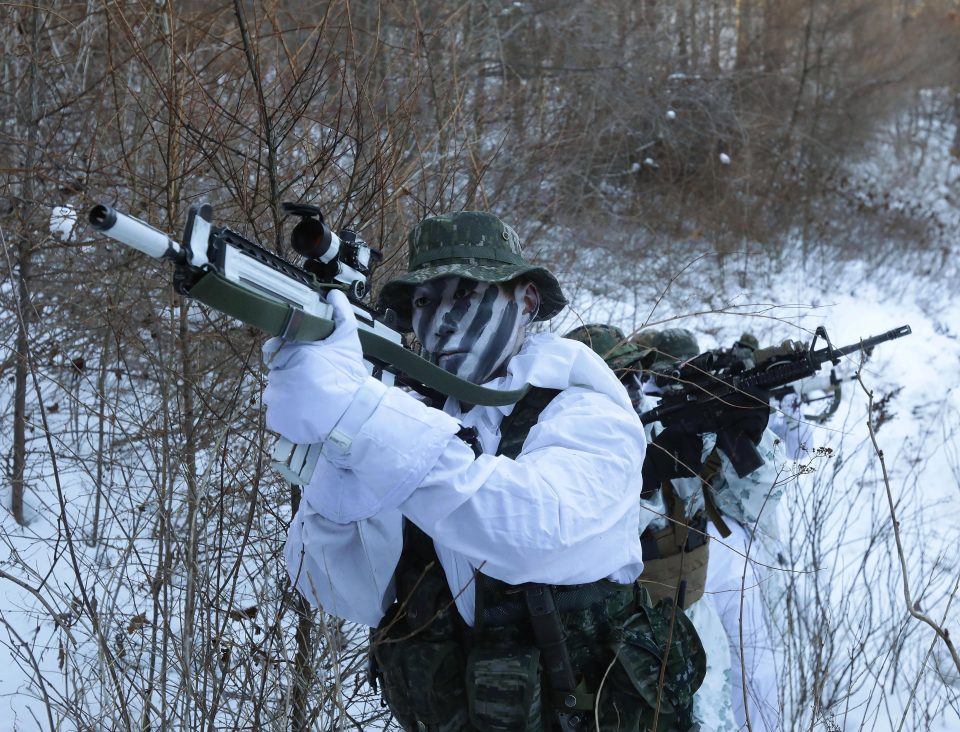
504	689
638	645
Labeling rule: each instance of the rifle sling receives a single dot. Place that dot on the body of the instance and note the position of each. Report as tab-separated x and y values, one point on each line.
711	467
268	314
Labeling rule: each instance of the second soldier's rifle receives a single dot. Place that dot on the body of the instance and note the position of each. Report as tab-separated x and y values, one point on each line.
705	393
242	279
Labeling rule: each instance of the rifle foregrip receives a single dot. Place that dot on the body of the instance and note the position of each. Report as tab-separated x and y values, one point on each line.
743	454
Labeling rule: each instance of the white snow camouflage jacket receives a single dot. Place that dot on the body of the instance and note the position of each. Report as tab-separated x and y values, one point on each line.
566	511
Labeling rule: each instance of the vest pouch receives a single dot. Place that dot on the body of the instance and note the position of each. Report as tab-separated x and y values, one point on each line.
504	691
423	683
633	685
661	576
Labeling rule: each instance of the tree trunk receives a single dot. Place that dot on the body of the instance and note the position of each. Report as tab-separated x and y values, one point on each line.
774	51
715	21
694	42
955	148
683	42
29	114
744	57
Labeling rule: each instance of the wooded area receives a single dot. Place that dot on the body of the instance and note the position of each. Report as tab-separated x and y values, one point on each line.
647	131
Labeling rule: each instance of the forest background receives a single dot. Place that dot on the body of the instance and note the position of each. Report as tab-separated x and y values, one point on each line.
711	164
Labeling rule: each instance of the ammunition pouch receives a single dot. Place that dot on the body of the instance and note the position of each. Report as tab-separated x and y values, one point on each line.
419	658
658	665
504	690
665	564
423	683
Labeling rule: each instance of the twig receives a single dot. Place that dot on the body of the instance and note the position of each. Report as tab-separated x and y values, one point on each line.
942	632
42	600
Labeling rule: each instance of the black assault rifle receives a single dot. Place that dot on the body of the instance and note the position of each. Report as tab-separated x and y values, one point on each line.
240	278
705	393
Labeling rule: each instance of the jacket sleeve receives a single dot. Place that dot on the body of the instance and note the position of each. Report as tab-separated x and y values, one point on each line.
753	499
347	569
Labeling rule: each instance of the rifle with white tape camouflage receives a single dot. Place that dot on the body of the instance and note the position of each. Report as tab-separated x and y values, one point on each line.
228	272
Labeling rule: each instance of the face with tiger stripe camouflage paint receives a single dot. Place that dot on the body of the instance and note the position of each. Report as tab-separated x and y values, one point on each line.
471	328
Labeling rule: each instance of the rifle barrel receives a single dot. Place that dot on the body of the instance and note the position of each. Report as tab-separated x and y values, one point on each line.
826	354
133	232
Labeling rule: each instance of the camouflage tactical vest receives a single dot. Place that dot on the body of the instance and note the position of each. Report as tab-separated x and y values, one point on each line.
439	675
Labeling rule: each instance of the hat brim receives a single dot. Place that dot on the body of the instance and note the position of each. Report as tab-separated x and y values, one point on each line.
398	293
635	360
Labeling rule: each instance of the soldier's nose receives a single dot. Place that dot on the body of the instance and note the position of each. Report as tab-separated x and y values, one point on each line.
448	326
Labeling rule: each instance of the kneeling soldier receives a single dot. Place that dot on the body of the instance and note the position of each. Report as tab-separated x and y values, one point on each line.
498	572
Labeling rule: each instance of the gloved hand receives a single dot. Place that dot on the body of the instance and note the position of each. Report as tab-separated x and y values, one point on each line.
747	414
310	385
672	454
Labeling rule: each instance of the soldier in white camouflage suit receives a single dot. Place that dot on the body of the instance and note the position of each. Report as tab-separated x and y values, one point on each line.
685	511
493	549
739	566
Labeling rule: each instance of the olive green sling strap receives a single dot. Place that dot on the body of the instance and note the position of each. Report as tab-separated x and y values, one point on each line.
268	314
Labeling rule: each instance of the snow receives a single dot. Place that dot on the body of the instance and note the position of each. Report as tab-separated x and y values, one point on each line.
63	220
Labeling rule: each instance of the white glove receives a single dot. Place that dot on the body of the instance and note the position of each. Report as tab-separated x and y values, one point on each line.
311	385
378	443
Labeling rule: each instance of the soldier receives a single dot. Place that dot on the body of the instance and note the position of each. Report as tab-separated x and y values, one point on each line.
673	526
493	549
742	522
688	481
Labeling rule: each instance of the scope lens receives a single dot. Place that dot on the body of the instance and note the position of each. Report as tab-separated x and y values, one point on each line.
312	239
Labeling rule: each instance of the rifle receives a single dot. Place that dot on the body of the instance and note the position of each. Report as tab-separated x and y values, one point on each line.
242	279
704	393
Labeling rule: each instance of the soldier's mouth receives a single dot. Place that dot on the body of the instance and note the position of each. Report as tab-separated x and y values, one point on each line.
448	354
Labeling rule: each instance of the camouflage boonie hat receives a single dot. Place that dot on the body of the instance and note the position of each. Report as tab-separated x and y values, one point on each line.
470	244
748	340
674	344
647	339
611	345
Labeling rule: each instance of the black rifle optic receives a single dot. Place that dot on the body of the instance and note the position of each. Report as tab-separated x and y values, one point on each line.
240	278
704	393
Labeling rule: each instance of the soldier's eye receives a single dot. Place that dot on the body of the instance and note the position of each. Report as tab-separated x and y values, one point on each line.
421	302
462	292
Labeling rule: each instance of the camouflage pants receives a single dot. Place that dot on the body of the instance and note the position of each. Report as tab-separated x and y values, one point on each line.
498	685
